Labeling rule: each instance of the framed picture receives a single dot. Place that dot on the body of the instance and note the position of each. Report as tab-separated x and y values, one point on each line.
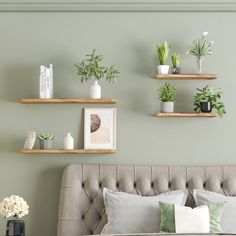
100	128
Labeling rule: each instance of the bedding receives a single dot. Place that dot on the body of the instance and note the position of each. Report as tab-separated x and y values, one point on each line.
182	219
228	220
129	213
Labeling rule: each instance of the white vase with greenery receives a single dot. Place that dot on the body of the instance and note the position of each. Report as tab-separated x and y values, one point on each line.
163	56
200	48
91	68
167	96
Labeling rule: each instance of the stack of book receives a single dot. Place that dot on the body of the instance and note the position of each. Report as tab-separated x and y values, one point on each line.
46	81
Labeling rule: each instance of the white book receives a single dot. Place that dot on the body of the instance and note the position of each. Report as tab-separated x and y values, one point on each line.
46	81
51	80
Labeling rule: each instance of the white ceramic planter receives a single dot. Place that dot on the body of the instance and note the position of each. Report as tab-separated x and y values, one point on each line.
167	107
163	69
95	90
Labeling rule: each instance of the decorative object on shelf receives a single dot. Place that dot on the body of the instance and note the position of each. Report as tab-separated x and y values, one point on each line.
46	140
100	128
167	95
200	48
176	59
15	207
68	141
46	81
208	95
91	68
30	140
163	55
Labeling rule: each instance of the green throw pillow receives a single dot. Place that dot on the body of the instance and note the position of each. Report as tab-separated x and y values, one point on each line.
181	219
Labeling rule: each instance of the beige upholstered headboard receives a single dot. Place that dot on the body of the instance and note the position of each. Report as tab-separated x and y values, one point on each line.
81	208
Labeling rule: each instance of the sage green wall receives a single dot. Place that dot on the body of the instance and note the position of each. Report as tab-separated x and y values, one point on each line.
127	40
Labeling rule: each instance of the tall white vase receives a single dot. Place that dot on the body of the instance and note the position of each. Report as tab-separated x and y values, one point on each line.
68	141
30	140
95	90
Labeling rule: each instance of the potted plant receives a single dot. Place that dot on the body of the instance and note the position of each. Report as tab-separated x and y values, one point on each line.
176	59
163	55
167	95
200	48
46	140
91	68
208	99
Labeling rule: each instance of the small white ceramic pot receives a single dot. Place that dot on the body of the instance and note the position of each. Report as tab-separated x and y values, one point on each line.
95	90
163	69
167	107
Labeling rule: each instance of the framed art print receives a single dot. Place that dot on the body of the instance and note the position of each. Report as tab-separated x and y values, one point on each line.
99	128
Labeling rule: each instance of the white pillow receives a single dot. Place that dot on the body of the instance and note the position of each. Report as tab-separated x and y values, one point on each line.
128	213
203	197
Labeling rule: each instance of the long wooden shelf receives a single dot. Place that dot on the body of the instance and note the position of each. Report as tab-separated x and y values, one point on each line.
186	77
186	114
68	101
63	151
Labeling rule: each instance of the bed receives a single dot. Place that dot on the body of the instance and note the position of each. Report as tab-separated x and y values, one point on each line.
81	207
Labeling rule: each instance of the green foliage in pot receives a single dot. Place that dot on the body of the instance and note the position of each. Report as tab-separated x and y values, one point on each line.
46	136
163	52
212	95
201	47
91	67
167	92
176	59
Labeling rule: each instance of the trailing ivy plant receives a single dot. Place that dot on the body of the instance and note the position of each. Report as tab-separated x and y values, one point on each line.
163	52
167	93
91	67
211	95
176	59
46	136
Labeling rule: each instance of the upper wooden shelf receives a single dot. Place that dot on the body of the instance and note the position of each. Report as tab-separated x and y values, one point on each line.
186	114
64	151
186	77
68	101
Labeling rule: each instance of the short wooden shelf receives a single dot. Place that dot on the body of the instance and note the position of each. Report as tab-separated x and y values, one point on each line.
186	114
186	77
74	151
68	101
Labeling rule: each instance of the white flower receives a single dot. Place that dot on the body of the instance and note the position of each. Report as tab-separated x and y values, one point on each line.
205	34
13	206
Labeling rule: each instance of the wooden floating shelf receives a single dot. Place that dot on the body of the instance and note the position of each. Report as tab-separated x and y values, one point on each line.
186	77
63	151
68	101
186	114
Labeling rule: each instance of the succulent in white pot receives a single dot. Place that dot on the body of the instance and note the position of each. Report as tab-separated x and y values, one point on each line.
167	96
91	68
163	56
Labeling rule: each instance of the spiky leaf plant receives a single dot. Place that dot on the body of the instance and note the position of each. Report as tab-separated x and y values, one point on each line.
46	136
167	92
176	59
212	95
91	67
163	52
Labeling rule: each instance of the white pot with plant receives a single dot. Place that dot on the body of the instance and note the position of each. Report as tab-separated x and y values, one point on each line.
46	140
163	56
167	96
91	68
14	207
176	59
200	48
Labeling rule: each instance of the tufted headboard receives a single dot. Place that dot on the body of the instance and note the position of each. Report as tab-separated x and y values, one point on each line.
81	208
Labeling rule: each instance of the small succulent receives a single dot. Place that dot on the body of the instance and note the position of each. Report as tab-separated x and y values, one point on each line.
167	92
46	136
176	59
91	67
163	52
